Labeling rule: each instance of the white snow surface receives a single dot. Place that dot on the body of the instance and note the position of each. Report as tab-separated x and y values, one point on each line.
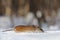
11	35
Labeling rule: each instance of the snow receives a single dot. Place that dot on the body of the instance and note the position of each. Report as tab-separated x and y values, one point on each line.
5	23
11	35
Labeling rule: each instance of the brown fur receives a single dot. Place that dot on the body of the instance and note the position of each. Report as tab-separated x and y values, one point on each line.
26	28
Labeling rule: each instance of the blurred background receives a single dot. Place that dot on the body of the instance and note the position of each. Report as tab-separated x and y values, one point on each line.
43	13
